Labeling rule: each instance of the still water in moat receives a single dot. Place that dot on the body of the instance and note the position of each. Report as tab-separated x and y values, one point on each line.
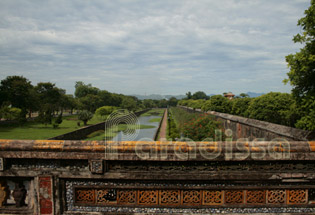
141	133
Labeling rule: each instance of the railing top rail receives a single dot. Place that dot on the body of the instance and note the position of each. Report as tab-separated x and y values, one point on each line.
158	151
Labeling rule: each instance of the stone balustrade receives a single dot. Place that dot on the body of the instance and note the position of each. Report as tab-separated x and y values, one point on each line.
88	177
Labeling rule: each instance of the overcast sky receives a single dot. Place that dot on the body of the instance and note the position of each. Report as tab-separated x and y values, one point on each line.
151	46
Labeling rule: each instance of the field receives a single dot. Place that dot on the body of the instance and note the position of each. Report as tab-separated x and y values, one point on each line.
154	112
37	131
155	120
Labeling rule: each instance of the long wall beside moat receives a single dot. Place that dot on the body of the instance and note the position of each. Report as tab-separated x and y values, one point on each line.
251	128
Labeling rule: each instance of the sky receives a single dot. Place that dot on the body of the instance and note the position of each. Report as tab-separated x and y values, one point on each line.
151	47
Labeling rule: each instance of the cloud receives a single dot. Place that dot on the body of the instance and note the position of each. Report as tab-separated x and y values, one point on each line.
167	47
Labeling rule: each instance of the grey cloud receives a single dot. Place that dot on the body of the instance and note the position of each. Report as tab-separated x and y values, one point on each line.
167	47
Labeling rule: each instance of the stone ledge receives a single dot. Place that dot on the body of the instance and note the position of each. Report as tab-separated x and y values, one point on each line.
151	150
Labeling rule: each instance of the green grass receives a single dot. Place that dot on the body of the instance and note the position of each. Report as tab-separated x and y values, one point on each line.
101	135
155	120
154	112
37	131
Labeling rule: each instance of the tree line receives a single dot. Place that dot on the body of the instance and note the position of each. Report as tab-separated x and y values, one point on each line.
273	107
19	99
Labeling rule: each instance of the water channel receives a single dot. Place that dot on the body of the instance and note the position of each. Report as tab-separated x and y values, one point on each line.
142	133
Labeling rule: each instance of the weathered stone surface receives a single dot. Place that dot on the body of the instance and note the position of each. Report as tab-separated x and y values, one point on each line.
69	177
163	151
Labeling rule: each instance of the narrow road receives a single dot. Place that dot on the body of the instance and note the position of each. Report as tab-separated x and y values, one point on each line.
163	127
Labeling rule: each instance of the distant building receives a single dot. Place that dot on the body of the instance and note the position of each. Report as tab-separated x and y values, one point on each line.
229	95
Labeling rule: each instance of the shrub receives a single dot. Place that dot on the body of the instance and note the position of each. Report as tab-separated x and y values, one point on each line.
195	126
217	103
85	116
57	121
10	113
173	132
275	108
201	128
104	111
240	106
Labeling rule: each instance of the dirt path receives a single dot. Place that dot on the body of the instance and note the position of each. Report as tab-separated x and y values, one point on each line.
163	127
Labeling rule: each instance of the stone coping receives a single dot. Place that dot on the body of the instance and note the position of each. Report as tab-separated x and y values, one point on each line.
158	150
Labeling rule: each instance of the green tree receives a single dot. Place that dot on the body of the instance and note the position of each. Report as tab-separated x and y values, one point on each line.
240	106
244	95
217	103
57	121
17	90
172	101
129	103
106	98
85	116
302	69
105	111
197	104
10	113
116	99
50	98
183	102
148	103
188	95
274	107
33	101
69	102
162	103
199	95
307	110
89	102
82	89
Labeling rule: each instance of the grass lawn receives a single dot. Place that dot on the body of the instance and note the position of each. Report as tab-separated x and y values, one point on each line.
101	135
154	112
155	120
37	131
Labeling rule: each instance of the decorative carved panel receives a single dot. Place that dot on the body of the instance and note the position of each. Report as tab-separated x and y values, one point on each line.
234	196
85	195
191	197
127	197
297	196
169	197
276	196
255	197
212	197
194	198
106	196
148	197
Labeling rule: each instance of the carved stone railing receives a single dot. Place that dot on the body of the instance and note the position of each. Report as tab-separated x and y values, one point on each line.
82	177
